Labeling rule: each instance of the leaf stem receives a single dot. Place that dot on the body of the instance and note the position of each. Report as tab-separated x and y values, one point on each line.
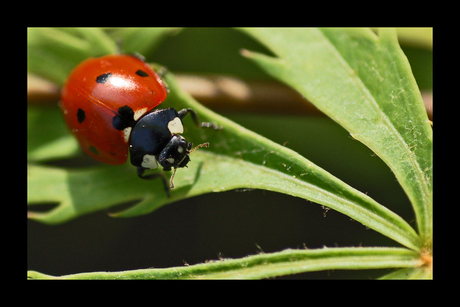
269	265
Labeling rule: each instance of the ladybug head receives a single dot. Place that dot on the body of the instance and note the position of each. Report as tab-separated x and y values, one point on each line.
176	154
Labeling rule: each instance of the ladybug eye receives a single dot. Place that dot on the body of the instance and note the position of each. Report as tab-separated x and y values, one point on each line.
142	73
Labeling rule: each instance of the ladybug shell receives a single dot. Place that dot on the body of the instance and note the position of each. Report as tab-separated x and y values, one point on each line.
100	93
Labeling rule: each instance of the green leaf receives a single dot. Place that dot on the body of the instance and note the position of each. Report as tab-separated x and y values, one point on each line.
48	137
141	40
53	53
363	82
409	273
237	158
268	265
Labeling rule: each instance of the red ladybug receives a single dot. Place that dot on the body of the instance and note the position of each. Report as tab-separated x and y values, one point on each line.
108	105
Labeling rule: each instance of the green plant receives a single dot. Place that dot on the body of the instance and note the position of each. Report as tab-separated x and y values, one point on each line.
361	80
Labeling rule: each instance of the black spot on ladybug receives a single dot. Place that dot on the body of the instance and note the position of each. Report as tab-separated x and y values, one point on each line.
81	115
124	118
94	150
142	73
103	78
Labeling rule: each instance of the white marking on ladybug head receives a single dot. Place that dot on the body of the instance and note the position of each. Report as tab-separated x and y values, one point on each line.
139	113
175	126
127	133
149	161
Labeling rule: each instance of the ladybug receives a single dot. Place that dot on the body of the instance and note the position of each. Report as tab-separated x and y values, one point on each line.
108	104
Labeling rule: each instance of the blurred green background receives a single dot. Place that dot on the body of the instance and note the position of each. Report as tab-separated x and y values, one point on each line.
236	223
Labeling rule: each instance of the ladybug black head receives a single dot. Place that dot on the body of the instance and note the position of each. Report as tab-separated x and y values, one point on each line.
175	154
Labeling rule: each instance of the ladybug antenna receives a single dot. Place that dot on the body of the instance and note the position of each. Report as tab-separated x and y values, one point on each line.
175	169
199	146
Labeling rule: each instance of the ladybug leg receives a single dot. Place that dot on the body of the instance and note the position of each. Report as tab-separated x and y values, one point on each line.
161	71
184	112
140	173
